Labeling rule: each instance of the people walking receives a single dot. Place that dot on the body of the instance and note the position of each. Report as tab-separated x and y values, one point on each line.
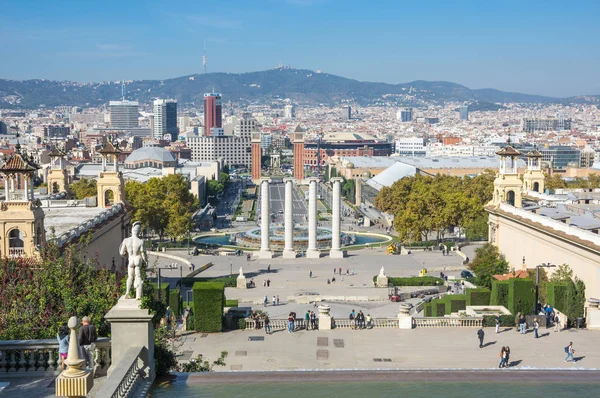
268	283
361	319
517	319
522	324
536	326
267	324
369	321
497	324
63	344
352	318
277	299
273	300
307	320
570	351
507	361
556	322
310	274
87	340
290	323
502	357
480	335
265	301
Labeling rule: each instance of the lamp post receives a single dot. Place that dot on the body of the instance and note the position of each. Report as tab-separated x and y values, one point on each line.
230	267
537	283
171	266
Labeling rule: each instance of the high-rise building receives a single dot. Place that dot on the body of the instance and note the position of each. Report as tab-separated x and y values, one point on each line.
3	128
464	112
531	125
212	112
289	112
347	112
123	114
165	119
405	115
245	126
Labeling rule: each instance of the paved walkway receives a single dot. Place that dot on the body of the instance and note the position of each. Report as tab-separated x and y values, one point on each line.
425	348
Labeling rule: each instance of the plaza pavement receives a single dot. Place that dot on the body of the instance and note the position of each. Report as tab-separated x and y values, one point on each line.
416	349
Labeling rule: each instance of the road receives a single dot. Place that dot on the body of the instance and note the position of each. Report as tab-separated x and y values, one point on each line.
228	203
277	203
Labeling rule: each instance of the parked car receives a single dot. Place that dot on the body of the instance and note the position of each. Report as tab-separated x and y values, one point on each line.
466	274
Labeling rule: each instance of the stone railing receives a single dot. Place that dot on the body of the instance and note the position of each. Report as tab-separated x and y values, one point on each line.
39	358
375	323
128	377
14	252
448	322
277	324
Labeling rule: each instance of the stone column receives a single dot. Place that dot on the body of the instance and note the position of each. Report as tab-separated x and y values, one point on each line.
336	219
405	321
265	219
312	251
324	317
288	250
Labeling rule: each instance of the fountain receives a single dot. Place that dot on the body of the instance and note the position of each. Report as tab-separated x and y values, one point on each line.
251	238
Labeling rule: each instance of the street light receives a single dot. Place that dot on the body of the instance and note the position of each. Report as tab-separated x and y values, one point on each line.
230	267
537	283
171	266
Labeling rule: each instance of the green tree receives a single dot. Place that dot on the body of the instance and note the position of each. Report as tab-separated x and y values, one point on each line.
224	178
488	262
563	273
84	188
554	182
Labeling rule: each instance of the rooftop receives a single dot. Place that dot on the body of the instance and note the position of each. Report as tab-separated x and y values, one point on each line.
154	153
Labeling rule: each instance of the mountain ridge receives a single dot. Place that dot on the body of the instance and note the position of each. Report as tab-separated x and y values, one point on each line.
300	85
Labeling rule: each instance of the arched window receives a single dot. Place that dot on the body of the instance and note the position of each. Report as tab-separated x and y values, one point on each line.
536	186
510	198
15	238
55	188
109	198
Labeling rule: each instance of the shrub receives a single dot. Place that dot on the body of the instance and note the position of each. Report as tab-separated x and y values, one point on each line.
164	293
241	322
228	281
209	300
557	295
499	294
427	310
175	301
190	320
438	307
455	303
413	281
231	303
478	296
505	320
521	296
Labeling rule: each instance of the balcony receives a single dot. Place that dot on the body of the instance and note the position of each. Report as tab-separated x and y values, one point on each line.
16	252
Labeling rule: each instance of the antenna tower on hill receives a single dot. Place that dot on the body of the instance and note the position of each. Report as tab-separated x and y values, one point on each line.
204	57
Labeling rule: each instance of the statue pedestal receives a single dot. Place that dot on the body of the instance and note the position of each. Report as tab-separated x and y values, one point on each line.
74	387
405	321
324	317
382	281
131	326
337	253
241	282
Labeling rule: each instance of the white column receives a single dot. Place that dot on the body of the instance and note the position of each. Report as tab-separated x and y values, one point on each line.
25	190
116	164
336	220
6	178
265	219
288	250
103	163
312	251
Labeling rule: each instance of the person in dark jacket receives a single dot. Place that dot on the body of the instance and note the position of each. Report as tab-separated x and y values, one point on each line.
87	340
480	334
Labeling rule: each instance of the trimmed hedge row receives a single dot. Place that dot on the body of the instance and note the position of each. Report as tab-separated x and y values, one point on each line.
478	296
499	295
175	301
164	293
231	303
557	295
455	303
413	281
521	296
228	281
209	301
505	320
438	307
427	312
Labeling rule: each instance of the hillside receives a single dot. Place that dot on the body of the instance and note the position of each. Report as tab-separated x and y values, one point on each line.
302	86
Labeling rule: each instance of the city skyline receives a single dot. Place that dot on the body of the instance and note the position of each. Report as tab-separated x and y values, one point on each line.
507	46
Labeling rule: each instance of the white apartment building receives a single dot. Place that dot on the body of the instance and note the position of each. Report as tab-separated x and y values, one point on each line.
123	114
235	151
411	146
244	127
438	149
289	112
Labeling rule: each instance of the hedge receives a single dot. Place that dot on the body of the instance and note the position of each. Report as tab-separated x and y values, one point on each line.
505	320
499	294
164	293
427	310
478	296
175	301
209	300
413	281
229	281
557	295
438	307
455	303
521	296
231	303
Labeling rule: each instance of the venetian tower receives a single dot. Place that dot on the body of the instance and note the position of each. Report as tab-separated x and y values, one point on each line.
58	178
21	218
533	179
507	185
110	181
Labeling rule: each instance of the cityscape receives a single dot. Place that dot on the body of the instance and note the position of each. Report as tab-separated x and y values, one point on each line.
209	227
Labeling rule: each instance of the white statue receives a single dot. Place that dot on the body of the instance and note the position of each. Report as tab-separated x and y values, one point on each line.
241	273
133	247
382	271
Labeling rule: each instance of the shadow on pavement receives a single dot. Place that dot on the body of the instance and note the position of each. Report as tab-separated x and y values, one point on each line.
488	344
515	363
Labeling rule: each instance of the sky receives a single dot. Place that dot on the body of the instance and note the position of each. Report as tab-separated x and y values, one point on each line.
536	47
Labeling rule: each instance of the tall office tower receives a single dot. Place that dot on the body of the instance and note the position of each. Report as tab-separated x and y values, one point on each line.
212	113
165	119
289	112
464	112
347	112
123	114
244	126
405	115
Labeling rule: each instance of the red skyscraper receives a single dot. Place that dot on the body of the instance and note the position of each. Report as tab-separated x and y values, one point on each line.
212	112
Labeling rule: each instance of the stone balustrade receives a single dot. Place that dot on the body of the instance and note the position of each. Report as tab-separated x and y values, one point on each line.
128	378
39	358
277	324
448	322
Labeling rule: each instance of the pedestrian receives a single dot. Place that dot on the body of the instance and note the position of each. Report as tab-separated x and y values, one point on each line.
265	301
290	323
256	320
497	324
340	269
277	299
507	362
334	270
536	326
313	320
267	324
556	322
522	324
273	300
333	279
264	283
307	320
63	344
517	319
502	357
268	283
87	340
310	274
369	321
570	351
361	319
480	335
269	268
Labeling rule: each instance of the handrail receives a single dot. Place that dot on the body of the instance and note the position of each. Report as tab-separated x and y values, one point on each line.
447	322
124	376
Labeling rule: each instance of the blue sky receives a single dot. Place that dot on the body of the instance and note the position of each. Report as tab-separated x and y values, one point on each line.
538	47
